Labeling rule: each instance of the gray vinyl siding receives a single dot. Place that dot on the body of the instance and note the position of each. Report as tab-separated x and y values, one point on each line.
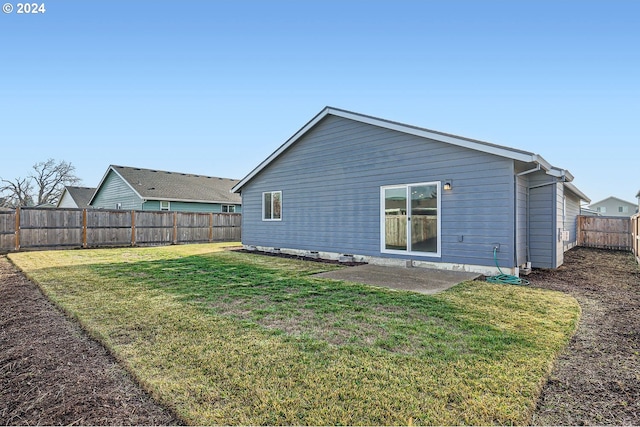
542	220
330	181
522	184
114	190
571	219
559	225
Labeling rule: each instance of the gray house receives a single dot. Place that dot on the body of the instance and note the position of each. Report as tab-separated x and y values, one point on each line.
390	193
132	188
75	197
613	206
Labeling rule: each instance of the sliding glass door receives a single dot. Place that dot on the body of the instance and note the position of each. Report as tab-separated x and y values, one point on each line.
410	218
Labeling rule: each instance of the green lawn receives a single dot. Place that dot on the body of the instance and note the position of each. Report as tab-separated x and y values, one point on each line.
234	338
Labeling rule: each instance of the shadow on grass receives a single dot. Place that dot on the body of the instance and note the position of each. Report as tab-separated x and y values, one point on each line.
287	302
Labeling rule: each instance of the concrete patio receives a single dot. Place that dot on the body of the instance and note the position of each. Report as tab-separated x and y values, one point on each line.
417	279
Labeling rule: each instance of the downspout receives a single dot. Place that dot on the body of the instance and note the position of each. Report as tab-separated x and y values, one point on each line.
536	169
515	222
528	230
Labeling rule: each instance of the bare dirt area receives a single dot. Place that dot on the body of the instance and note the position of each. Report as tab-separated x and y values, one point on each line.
596	381
52	373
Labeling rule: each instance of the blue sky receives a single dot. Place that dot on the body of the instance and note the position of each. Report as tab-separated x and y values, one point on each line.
213	87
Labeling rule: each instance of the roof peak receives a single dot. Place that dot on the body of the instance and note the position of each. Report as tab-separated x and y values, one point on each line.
487	147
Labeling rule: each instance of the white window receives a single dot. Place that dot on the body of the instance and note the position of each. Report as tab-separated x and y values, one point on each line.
228	208
118	205
272	206
165	205
623	209
601	209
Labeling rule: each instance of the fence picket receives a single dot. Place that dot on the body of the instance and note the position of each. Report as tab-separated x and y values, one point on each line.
42	228
604	232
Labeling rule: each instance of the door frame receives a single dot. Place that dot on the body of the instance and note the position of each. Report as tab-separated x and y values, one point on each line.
408	251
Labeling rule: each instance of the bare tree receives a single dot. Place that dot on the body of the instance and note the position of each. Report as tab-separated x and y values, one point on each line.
44	185
17	192
50	179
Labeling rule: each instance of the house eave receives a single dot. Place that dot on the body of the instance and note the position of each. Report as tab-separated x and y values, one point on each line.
507	152
577	192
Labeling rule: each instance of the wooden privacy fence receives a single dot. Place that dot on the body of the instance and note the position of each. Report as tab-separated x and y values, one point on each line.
39	228
423	228
605	232
635	235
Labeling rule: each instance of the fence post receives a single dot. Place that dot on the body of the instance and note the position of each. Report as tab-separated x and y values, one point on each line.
579	237
133	228
17	243
84	228
210	227
175	228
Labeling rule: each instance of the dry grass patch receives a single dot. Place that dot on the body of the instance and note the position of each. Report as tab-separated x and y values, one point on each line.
235	338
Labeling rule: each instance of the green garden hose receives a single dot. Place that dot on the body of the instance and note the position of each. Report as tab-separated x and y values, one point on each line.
506	279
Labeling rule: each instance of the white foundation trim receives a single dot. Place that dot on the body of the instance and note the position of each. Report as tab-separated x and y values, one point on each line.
388	262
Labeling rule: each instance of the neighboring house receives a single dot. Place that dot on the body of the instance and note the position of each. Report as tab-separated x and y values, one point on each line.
586	211
613	206
76	197
147	189
390	193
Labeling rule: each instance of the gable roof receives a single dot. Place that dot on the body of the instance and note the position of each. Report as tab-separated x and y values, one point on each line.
486	147
80	195
613	198
152	184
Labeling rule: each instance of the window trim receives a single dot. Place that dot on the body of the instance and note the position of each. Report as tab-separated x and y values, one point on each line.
228	207
262	203
383	249
168	208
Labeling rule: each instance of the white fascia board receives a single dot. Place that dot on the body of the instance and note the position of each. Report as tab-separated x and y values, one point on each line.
519	155
64	191
281	149
577	192
99	185
111	168
127	182
424	133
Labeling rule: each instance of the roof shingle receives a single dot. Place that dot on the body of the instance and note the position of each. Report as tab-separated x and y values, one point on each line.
154	184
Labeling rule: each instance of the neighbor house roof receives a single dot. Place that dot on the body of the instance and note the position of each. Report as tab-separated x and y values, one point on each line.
80	195
499	150
612	198
152	184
